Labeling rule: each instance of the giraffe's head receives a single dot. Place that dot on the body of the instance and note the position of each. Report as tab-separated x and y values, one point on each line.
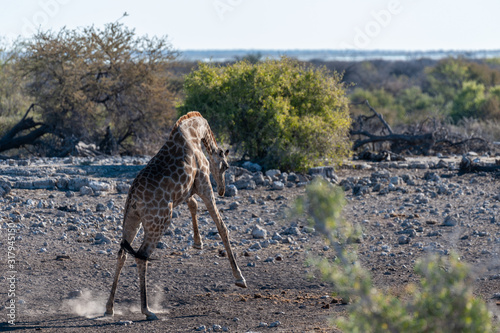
218	167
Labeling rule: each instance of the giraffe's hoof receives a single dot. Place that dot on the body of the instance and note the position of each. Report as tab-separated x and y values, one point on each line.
198	246
109	313
241	283
151	316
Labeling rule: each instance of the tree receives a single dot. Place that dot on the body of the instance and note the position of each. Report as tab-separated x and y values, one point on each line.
277	112
469	101
90	83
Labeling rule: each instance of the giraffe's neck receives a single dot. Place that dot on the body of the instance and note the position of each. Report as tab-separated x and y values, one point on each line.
209	141
202	129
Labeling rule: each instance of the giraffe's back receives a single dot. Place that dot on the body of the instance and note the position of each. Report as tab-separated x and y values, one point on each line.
169	176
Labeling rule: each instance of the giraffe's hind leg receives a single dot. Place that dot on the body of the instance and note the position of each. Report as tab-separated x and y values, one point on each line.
193	207
153	230
131	226
122	256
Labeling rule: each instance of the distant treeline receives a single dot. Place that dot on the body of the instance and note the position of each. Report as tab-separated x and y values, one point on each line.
336	55
122	92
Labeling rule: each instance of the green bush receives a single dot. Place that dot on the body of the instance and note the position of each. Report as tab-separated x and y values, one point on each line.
476	101
442	302
279	113
468	101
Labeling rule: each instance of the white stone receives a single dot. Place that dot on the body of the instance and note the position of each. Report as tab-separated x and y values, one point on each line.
259	232
273	172
277	185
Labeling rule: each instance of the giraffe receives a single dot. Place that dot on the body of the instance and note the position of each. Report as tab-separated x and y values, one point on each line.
174	175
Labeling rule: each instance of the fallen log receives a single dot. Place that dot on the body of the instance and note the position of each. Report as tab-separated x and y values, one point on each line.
417	140
467	165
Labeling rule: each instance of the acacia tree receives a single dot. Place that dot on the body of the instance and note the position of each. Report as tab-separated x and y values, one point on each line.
89	84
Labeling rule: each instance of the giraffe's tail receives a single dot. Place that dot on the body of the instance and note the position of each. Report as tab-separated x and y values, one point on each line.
125	245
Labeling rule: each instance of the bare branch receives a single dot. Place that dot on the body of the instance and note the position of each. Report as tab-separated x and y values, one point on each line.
379	116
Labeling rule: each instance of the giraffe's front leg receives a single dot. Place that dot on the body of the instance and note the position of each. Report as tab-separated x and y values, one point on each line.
193	207
221	227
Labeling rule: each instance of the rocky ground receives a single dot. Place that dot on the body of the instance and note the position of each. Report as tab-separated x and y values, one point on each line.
63	219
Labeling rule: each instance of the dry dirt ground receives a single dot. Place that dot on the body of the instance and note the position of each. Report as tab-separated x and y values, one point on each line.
63	272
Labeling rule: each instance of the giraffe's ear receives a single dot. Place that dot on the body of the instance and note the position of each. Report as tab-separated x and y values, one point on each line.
226	152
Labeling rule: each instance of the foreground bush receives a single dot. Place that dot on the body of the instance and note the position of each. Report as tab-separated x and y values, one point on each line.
278	112
442	302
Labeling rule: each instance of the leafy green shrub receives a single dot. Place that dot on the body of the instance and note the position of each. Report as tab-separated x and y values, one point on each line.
476	101
443	302
469	101
277	112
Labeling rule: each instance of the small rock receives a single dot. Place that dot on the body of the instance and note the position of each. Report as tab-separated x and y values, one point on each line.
308	230
278	186
403	240
275	324
259	232
277	237
450	221
325	171
256	246
161	245
110	204
252	167
100	207
62	183
75	184
4	188
75	294
100	238
273	173
216	328
86	190
99	186
396	181
263	324
231	191
201	328
291	231
234	205
122	187
259	179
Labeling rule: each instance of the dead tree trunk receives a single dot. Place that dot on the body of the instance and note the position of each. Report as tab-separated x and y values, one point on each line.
12	140
420	142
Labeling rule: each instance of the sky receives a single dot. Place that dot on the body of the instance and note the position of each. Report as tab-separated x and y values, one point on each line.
274	24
